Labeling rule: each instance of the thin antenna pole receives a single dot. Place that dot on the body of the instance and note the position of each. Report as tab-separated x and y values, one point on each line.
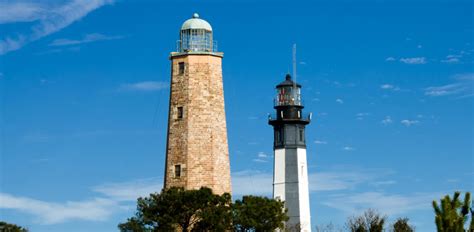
294	61
294	74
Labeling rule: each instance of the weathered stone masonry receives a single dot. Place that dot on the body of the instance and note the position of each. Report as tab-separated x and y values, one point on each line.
197	141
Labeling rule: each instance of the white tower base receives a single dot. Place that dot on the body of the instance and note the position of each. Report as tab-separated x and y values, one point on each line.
290	184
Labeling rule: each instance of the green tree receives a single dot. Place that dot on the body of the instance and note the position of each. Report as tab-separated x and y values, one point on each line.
401	225
179	209
453	214
6	227
370	221
258	214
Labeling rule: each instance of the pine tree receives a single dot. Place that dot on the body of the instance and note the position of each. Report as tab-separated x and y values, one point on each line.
453	213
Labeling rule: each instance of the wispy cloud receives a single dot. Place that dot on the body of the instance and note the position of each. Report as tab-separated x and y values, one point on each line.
97	209
115	198
409	123
414	60
340	180
389	87
130	191
390	59
390	204
13	12
340	101
249	182
464	85
89	38
262	157
454	58
260	183
387	120
361	116
46	19
320	142
348	148
144	86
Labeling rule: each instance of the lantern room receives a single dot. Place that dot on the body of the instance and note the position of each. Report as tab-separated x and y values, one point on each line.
288	93
196	36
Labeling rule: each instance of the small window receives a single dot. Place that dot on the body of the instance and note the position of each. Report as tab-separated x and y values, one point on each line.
180	112
181	68
177	170
301	135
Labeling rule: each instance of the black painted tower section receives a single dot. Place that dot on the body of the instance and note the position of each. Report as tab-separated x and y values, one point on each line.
289	122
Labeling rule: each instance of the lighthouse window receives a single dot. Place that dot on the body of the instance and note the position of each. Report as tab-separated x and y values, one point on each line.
180	112
301	135
181	68
177	170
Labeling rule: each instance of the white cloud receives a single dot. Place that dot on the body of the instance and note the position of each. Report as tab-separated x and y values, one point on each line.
464	85
453	58
260	183
387	120
260	160
20	12
145	86
320	142
130	191
262	155
362	114
252	183
338	180
116	197
383	183
390	59
436	91
47	19
89	38
390	204
347	148
413	60
340	101
408	123
97	209
387	86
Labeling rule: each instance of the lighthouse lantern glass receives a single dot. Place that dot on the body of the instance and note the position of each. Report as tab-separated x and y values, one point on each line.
288	95
196	40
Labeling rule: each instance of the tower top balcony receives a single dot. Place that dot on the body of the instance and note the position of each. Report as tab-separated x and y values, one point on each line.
196	37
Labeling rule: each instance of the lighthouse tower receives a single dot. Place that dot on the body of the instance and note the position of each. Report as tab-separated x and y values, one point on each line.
197	153
290	175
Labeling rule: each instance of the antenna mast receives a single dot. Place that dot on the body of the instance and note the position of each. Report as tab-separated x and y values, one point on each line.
294	74
294	62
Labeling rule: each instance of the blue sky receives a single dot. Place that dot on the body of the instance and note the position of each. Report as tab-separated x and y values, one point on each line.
84	100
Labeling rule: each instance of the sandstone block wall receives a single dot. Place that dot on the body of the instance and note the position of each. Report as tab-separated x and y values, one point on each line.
198	141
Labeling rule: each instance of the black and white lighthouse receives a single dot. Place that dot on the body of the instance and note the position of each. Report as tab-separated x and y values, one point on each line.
290	173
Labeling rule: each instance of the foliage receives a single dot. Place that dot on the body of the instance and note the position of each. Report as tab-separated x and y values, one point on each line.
453	213
401	225
6	227
176	209
258	214
370	221
185	210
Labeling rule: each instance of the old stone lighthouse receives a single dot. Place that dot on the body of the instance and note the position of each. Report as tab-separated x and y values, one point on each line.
197	153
